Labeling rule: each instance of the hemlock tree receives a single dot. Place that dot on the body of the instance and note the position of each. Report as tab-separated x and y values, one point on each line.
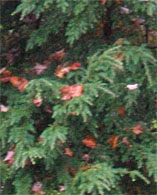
78	97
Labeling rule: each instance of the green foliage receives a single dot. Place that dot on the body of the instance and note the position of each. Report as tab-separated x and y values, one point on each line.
100	140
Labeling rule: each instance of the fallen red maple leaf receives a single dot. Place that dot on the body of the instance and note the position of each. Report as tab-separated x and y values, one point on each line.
37	102
74	66
3	108
68	152
89	142
69	92
37	188
39	68
113	141
19	82
137	129
9	159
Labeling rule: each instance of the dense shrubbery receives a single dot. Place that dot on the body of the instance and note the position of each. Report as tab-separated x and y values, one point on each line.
78	97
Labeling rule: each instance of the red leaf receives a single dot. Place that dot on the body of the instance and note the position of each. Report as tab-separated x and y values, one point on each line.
137	129
89	142
74	66
9	159
69	92
37	188
3	108
113	141
68	152
18	82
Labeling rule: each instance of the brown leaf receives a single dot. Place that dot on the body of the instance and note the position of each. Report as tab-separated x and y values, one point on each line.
59	55
37	188
61	72
68	152
113	141
69	92
3	108
19	82
9	159
137	129
85	168
89	142
39	68
5	75
71	171
121	111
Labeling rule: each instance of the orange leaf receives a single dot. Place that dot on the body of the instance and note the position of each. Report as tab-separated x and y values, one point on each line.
85	168
68	152
69	92
61	72
113	141
137	129
18	82
89	142
37	102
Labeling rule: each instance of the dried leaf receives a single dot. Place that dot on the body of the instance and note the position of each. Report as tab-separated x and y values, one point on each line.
121	111
72	172
39	68
37	102
9	159
103	2
74	66
37	188
126	142
61	72
124	10
62	188
3	108
69	92
89	142
68	152
59	55
85	168
85	157
113	141
137	129
132	86
19	82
